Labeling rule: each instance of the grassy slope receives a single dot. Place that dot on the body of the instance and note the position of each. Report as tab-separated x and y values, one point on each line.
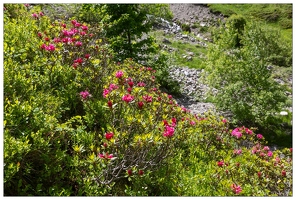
275	15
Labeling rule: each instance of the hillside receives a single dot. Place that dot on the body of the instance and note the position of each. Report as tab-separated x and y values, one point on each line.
106	100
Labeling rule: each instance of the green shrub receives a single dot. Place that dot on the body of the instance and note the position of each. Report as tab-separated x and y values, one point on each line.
241	76
237	23
78	124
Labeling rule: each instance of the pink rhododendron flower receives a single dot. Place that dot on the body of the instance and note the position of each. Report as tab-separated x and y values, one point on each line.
259	136
56	40
77	24
39	34
65	32
141	172
224	120
43	46
131	83
82	33
78	60
109	104
269	153
262	154
127	98
73	22
129	90
248	131
192	123
66	40
74	65
78	44
147	98
119	74
129	172
284	173
112	86
106	156
165	122
266	148
236	133
140	104
87	56
35	15
109	135
237	151
220	163
141	84
259	174
84	94
174	121
83	27
169	131
236	188
50	47
41	14
105	92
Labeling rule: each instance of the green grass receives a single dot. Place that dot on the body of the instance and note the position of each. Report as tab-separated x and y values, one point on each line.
275	15
182	48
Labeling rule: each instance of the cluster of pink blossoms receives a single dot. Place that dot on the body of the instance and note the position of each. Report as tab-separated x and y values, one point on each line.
147	98
84	94
109	135
237	151
119	74
49	47
112	87
128	98
140	104
67	37
238	132
262	152
106	156
36	16
236	188
141	84
220	163
169	130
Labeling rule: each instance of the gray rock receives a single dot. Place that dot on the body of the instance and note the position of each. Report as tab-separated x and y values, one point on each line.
166	41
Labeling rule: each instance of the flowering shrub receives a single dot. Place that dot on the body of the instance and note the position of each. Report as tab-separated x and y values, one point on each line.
76	123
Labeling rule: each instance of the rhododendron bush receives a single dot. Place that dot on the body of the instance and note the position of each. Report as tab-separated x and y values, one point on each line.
77	123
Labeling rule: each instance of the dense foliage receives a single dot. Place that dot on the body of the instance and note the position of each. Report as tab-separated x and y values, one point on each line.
77	123
238	66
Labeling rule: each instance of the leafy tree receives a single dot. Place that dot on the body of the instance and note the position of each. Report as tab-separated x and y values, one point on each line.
241	75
